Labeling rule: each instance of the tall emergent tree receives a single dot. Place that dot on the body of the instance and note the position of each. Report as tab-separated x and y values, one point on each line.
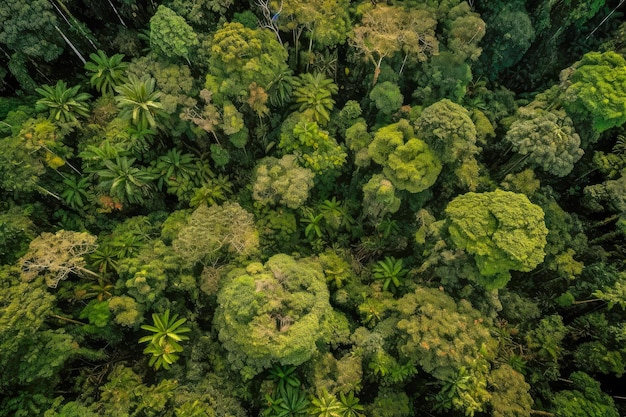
273	313
595	89
407	161
241	56
57	255
387	30
503	230
170	35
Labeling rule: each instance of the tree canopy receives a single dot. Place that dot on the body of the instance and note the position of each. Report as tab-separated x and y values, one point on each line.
312	208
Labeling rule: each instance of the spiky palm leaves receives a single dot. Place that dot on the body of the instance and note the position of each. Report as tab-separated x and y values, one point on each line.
139	102
163	344
314	92
105	72
63	103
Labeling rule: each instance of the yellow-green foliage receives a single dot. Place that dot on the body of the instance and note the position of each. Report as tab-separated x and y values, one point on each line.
597	89
282	181
273	313
503	230
357	139
585	399
407	161
315	148
509	393
149	273
170	34
241	56
211	231
379	197
447	338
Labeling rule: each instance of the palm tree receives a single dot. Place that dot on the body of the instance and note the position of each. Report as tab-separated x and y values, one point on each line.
390	271
325	405
175	169
314	92
106	72
62	102
76	192
139	102
124	181
163	343
350	406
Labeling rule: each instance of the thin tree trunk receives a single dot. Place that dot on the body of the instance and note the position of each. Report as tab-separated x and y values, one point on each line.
56	316
542	413
80	56
377	70
116	13
515	162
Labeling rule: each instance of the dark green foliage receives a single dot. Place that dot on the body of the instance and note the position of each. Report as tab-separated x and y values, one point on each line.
510	33
292	177
608	195
16	231
28	33
106	72
586	399
390	271
76	192
288	401
595	357
389	404
387	97
445	76
122	180
177	173
64	104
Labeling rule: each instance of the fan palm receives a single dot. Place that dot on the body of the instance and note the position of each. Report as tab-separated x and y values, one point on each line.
139	102
125	181
314	92
63	103
390	271
105	72
163	344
